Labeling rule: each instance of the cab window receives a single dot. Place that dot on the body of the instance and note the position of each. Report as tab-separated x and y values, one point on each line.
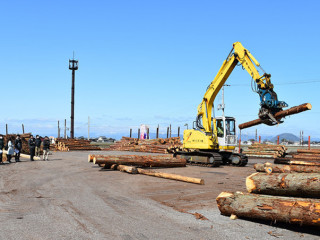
220	131
230	127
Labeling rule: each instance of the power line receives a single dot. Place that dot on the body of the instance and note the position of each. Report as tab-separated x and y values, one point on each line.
287	83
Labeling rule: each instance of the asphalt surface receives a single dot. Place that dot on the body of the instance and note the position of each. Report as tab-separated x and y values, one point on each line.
69	198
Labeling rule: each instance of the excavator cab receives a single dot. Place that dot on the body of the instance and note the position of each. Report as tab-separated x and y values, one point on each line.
226	133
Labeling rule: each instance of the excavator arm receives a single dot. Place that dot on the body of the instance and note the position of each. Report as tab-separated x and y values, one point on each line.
268	98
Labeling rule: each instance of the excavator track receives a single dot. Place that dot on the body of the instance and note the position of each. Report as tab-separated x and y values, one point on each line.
214	159
202	158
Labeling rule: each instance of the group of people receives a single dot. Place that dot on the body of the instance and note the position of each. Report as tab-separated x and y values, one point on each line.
14	149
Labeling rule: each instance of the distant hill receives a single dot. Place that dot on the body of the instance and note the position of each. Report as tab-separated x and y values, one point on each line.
287	136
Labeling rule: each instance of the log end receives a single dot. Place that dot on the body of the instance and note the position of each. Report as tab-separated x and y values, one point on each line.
250	183
94	160
225	195
90	158
233	217
268	170
309	106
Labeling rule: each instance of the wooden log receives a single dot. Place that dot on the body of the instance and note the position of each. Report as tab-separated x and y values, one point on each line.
279	115
278	168
306	157
285	184
22	155
295	162
143	161
90	157
311	151
128	169
302	211
171	176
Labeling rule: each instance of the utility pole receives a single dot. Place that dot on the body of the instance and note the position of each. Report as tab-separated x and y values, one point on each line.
300	138
256	135
65	129
88	127
58	130
222	105
73	65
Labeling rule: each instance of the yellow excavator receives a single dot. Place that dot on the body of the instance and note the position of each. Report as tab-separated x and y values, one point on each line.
212	140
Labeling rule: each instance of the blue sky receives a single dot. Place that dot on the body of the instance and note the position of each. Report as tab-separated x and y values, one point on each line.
150	62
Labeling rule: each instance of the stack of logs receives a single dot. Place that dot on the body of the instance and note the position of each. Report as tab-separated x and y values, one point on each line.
159	145
266	150
135	163
302	156
278	193
66	145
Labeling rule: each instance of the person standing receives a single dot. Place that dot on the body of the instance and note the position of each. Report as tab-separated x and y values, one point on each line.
10	150
38	145
32	146
46	148
18	148
1	147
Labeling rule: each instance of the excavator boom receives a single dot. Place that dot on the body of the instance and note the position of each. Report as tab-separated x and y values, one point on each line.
269	104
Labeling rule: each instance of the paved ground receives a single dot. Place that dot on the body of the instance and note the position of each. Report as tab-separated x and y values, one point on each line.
69	198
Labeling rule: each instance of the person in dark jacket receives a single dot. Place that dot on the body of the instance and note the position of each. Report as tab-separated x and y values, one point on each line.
18	148
46	148
1	147
32	147
38	145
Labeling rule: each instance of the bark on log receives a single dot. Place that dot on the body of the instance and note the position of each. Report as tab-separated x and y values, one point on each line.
171	176
302	211
278	168
279	115
143	161
295	162
285	184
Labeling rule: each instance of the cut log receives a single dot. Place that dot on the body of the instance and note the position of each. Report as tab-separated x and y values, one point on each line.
302	211
306	157
279	115
312	151
90	158
128	169
22	155
295	162
142	161
278	168
285	184
171	176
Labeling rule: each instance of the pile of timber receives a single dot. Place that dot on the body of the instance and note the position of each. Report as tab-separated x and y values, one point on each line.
66	145
301	157
133	163
278	193
159	145
266	150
